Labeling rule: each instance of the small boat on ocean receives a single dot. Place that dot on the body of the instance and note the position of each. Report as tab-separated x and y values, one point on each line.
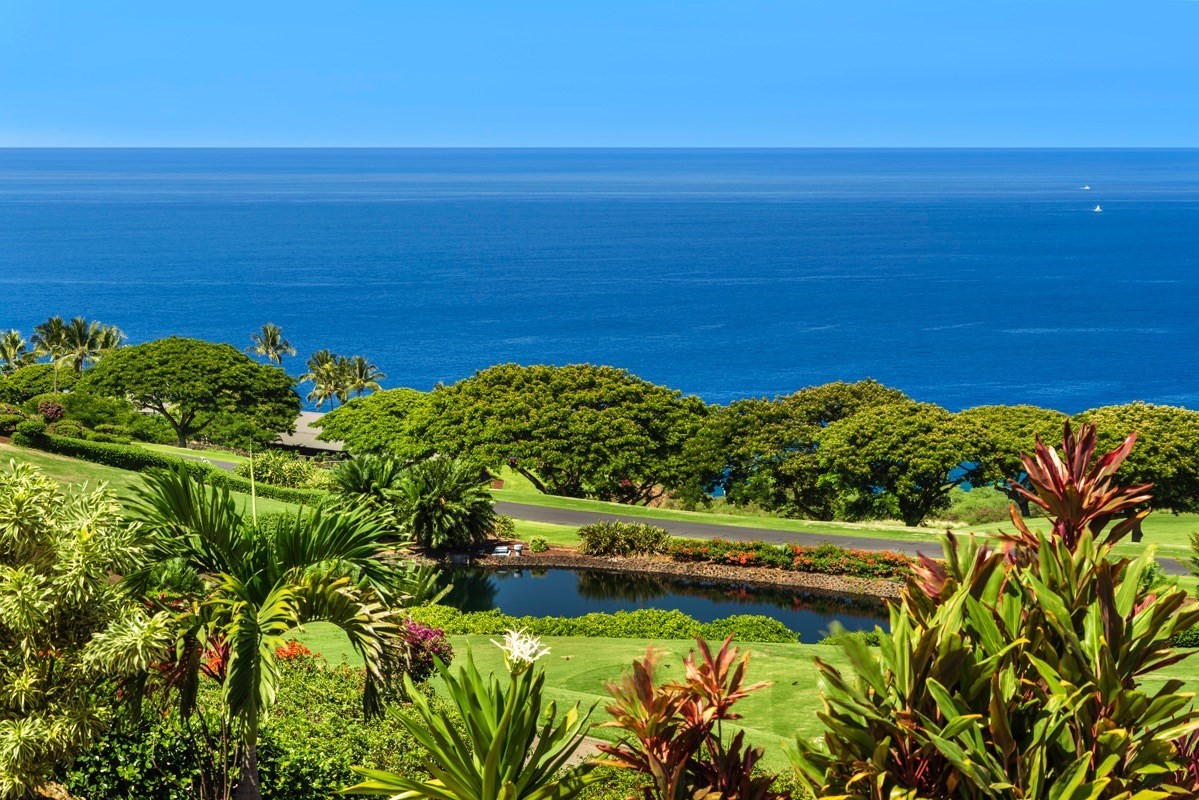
1098	209
1086	188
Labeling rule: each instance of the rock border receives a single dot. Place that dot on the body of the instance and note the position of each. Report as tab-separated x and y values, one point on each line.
870	589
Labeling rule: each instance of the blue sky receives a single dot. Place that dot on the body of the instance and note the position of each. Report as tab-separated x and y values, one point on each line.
612	73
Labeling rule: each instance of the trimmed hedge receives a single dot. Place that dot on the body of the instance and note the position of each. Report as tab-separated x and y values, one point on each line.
644	623
138	459
827	559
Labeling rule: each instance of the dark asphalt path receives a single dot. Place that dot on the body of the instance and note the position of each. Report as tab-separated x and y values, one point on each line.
709	530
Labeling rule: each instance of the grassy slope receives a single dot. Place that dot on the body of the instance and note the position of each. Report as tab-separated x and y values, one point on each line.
74	471
207	455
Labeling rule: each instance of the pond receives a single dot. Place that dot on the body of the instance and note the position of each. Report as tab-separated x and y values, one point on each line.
572	593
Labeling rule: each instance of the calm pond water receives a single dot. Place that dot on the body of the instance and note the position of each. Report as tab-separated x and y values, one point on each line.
572	593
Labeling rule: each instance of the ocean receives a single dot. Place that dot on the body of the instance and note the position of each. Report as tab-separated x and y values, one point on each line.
962	277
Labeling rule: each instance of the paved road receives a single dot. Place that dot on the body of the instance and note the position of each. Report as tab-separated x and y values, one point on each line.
709	530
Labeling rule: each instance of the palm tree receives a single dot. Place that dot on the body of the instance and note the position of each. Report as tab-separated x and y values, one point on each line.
444	502
362	376
49	340
329	375
263	582
270	344
14	352
86	342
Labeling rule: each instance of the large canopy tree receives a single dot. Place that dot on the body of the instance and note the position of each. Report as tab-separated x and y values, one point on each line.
766	451
192	383
1014	431
382	422
578	430
902	459
1166	455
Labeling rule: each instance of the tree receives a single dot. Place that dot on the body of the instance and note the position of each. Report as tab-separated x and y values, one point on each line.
903	459
269	343
766	451
85	343
362	376
1024	667
578	430
264	581
14	352
1014	431
383	422
27	382
329	375
49	341
444	503
68	631
192	383
1167	453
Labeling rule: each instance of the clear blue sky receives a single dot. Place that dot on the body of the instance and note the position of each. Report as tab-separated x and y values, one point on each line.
601	73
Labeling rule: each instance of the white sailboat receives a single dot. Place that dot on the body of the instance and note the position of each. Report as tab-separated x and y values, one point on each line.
1098	209
1086	188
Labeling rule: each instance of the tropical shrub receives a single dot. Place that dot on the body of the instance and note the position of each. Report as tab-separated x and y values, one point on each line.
826	559
68	428
504	528
28	433
674	731
50	410
538	544
514	748
9	422
643	623
846	638
286	469
114	434
622	539
1021	671
34	379
68	630
151	428
308	745
981	505
444	503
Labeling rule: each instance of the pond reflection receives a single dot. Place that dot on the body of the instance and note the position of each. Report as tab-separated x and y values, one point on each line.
572	593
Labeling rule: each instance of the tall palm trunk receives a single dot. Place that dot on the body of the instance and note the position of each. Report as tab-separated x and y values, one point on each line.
248	784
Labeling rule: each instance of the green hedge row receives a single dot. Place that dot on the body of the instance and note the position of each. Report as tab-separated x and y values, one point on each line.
644	623
138	459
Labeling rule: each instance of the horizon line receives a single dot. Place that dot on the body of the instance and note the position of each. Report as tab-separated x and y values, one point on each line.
593	147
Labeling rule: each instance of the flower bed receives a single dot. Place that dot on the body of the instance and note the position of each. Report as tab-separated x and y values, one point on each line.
826	559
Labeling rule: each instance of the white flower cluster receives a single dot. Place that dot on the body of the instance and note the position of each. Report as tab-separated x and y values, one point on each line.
520	650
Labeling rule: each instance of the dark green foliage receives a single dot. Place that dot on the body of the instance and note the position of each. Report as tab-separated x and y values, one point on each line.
645	623
8	422
152	428
1167	451
193	383
444	503
826	559
765	452
316	733
68	428
902	460
28	432
578	430
538	544
32	380
138	459
1013	431
622	539
383	422
371	477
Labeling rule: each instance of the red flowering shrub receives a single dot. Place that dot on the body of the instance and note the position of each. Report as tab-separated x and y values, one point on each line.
827	559
423	643
50	411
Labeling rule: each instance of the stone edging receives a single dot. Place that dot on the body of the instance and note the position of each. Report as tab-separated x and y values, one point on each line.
860	588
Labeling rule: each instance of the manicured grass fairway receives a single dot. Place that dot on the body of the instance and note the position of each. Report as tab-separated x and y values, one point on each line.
120	481
577	668
207	455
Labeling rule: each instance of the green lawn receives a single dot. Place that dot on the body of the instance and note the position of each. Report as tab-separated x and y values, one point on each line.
75	471
558	535
206	455
578	667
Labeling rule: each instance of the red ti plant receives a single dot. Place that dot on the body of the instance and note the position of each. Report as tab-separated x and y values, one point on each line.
674	729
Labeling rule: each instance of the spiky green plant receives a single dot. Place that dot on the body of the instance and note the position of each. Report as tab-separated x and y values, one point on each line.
514	747
444	503
1020	671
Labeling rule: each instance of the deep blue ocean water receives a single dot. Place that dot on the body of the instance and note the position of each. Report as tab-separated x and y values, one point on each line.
961	277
